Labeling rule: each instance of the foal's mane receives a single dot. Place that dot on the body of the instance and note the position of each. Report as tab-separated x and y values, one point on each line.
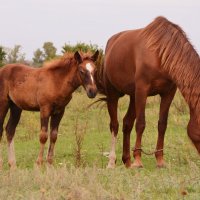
177	56
65	60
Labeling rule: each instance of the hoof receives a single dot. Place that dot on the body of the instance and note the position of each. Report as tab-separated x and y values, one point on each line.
161	165
12	165
110	166
1	164
137	165
50	161
128	164
39	162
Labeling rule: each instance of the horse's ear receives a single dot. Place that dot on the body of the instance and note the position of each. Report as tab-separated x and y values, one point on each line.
95	56
78	57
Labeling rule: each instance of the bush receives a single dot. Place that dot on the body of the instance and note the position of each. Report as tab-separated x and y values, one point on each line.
2	56
80	47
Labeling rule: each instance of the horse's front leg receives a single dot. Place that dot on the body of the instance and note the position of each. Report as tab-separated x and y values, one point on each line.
114	125
44	117
166	100
55	121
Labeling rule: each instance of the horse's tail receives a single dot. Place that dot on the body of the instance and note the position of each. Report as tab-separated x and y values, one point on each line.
99	101
98	76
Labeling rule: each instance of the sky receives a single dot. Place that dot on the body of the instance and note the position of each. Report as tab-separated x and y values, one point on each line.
30	23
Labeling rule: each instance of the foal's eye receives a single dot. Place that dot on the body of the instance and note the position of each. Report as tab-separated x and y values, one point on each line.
81	71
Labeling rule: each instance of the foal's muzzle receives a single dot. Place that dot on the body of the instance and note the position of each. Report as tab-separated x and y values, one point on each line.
91	92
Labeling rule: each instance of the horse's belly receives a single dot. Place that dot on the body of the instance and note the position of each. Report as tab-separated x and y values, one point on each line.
28	106
25	101
160	86
123	83
128	88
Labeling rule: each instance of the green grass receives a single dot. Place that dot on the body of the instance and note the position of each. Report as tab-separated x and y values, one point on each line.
179	180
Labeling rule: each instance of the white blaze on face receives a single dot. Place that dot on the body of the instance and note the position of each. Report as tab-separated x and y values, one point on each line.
89	68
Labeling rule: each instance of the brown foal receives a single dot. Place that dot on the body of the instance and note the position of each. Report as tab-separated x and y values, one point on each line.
48	90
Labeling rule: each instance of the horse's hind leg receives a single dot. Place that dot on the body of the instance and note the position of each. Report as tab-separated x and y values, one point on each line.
128	122
3	112
114	125
55	121
14	118
166	100
44	117
141	92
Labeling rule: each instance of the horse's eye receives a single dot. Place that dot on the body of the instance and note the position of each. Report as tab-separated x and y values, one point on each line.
81	71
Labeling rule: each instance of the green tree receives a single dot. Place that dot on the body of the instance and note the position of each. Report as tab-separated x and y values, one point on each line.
2	56
49	51
83	47
15	55
80	47
38	58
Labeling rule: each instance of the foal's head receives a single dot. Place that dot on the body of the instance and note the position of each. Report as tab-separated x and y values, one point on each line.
86	69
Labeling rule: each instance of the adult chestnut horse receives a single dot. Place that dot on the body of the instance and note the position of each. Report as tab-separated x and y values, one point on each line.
48	90
145	62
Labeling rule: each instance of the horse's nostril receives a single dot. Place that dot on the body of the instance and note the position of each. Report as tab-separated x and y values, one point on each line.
91	93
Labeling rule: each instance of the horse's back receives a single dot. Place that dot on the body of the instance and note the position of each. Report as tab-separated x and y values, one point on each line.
128	62
120	58
18	83
13	71
112	40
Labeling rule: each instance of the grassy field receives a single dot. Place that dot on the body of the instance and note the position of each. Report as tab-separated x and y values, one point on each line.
80	173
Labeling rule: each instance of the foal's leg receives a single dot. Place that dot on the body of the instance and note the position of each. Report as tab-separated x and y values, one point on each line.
128	122
55	120
44	117
166	100
141	93
15	114
3	112
114	125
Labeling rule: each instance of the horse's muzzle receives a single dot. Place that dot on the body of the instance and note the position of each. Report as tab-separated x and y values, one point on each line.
91	92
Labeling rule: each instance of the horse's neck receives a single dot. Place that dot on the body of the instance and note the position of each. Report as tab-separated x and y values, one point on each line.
190	89
70	80
74	81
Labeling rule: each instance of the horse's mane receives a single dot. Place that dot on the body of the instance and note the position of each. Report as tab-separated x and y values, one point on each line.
99	74
177	56
65	61
61	61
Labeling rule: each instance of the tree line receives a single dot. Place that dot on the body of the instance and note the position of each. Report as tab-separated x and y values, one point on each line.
46	53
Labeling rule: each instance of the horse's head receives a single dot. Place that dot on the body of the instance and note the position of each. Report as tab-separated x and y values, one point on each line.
193	128
86	69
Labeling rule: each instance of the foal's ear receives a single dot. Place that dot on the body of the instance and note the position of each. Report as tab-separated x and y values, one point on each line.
95	56
78	57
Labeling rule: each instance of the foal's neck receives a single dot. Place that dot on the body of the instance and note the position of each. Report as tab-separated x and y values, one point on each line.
70	78
74	80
